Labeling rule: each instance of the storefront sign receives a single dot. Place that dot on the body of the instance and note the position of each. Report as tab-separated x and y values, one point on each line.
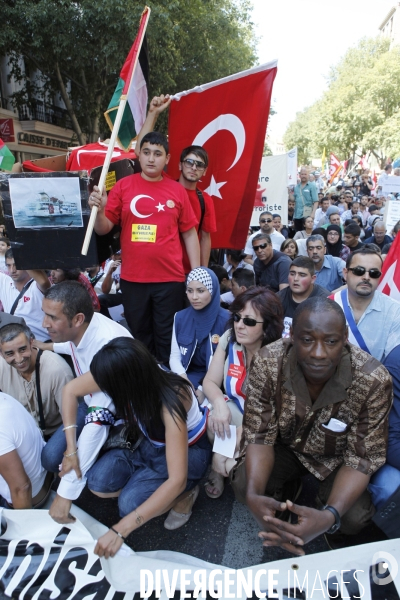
7	130
40	140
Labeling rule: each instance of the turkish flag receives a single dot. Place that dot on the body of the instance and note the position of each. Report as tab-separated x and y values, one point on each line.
86	158
228	117
390	281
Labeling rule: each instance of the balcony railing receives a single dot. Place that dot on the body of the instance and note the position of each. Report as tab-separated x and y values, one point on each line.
39	111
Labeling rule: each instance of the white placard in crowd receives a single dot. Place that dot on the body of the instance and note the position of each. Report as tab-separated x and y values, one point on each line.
392	213
292	166
272	192
391	185
42	559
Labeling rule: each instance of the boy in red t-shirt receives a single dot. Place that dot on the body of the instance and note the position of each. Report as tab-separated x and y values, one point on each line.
153	212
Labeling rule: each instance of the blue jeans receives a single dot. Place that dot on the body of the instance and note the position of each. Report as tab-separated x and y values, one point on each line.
383	484
140	473
52	453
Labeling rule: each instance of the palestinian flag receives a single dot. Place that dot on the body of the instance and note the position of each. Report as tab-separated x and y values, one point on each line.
6	157
133	83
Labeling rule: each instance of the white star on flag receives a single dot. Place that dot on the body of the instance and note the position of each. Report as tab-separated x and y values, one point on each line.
160	206
213	188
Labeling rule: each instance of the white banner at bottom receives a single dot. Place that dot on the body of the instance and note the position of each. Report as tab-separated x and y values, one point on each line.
40	559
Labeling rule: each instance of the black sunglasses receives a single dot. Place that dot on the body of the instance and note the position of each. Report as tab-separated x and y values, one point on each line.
360	271
190	162
262	246
246	320
265	220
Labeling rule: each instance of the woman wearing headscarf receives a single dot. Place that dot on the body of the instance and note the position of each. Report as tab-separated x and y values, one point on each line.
334	244
197	329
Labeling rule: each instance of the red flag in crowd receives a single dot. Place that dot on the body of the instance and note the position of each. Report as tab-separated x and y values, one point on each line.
390	281
229	119
86	158
335	167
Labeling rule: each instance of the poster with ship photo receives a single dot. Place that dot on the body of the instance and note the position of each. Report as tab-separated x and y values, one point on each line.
53	202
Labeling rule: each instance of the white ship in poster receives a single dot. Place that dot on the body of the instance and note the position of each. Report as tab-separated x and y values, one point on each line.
45	206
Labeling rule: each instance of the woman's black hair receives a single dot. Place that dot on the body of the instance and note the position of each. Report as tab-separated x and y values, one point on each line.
126	371
268	305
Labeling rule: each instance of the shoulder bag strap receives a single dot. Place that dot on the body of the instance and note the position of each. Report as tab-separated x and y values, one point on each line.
18	298
42	422
202	207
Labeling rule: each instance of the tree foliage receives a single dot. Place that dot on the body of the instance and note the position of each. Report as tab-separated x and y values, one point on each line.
360	110
76	48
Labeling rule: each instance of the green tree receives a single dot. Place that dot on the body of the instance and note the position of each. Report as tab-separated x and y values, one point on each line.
76	49
359	110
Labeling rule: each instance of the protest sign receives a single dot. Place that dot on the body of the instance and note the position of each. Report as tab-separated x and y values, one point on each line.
42	559
391	185
272	192
392	214
45	216
292	166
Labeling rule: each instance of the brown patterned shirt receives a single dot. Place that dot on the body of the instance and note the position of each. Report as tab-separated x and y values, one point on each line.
279	407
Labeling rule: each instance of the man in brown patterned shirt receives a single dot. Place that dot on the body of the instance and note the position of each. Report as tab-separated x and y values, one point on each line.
315	404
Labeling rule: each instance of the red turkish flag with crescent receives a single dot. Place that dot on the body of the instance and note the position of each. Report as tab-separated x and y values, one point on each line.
86	158
228	117
390	280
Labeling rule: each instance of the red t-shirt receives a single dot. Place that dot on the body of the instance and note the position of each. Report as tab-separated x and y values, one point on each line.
209	224
151	215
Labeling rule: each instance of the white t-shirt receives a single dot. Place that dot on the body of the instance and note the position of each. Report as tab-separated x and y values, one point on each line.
276	239
29	306
18	431
101	330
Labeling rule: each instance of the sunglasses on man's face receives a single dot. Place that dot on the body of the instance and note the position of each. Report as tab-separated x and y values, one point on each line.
265	220
190	162
360	271
246	320
260	247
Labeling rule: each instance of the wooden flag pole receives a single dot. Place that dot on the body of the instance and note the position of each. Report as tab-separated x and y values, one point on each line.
114	135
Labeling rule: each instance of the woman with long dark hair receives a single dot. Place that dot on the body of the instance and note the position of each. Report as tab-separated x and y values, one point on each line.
256	320
160	409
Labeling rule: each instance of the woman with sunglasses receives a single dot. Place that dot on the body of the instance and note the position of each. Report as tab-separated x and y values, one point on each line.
170	450
256	320
197	329
334	244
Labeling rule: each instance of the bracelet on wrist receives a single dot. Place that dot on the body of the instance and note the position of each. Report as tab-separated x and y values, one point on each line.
70	427
118	534
70	454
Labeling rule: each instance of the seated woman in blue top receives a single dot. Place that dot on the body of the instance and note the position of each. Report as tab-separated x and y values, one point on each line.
198	328
160	409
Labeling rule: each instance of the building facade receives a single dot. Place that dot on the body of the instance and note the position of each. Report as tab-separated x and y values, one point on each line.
36	129
390	26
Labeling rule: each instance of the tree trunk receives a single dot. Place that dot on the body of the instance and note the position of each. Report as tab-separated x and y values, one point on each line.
67	102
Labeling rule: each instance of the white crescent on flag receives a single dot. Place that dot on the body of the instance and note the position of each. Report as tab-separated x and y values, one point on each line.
135	210
230	123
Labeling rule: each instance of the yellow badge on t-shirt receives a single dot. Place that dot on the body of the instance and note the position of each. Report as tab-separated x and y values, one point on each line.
143	233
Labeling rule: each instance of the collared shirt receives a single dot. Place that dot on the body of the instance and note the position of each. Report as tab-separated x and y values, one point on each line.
278	405
54	373
99	332
276	240
379	324
331	273
305	196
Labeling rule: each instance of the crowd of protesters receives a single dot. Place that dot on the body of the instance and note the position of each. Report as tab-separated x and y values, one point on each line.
289	347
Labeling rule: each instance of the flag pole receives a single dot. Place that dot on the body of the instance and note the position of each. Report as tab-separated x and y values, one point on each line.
114	135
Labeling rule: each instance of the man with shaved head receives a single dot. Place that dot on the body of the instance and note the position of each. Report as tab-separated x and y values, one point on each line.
379	238
315	405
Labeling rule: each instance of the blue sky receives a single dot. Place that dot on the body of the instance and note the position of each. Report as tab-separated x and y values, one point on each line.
307	37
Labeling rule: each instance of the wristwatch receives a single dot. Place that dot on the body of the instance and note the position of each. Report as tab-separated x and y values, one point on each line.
335	513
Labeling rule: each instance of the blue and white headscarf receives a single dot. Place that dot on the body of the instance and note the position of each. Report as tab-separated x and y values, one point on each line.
204	319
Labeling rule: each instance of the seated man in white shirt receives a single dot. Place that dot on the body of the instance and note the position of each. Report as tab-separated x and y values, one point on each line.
242	279
21	293
75	329
22	366
266	226
23	481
